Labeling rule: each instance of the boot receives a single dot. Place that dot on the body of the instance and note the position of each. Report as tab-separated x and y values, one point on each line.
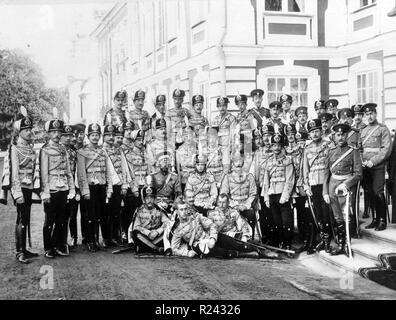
366	206
381	225
372	225
30	254
327	243
91	247
341	241
322	243
311	239
21	244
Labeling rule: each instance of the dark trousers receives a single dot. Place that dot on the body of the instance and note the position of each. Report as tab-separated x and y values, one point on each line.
72	209
226	244
110	223
144	243
55	222
304	217
95	207
131	204
321	208
23	220
374	181
282	216
266	221
250	216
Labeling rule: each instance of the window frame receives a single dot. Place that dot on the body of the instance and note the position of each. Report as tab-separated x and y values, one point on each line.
285	8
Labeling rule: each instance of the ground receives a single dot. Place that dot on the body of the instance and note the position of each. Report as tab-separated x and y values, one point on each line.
102	275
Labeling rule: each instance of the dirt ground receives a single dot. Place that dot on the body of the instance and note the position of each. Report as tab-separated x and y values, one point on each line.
102	275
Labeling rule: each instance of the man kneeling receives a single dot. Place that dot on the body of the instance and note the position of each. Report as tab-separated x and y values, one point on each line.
149	224
234	232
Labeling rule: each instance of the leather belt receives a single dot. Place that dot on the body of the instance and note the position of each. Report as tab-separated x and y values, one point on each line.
371	149
341	177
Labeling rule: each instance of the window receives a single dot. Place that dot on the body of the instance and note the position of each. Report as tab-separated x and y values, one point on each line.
367	87
159	24
118	64
364	3
296	87
285	5
148	28
173	19
199	10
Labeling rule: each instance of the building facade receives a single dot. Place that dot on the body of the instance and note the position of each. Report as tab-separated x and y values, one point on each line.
312	49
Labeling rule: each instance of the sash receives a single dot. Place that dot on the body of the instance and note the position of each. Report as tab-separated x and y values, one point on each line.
115	179
239	186
370	134
201	186
165	184
341	158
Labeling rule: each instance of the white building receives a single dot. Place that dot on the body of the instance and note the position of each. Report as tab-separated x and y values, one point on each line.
311	49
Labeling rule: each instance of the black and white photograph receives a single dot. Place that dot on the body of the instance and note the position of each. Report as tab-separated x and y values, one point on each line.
197	154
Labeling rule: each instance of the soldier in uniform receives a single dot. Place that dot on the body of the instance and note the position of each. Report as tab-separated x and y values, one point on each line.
314	159
244	118
110	221
149	224
346	115
118	136
232	227
261	114
302	119
242	190
215	164
331	106
197	120
275	120
185	156
279	179
138	116
160	112
375	141
327	120
95	182
72	204
226	122
320	107
343	171
57	187
166	183
22	168
116	116
178	116
203	184
260	159
287	113
193	235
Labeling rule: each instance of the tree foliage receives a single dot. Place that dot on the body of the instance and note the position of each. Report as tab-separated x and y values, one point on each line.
22	84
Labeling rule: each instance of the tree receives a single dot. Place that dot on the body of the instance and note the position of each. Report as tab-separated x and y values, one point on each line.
21	84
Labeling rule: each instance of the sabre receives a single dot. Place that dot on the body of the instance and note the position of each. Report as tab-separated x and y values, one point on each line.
348	240
265	246
312	211
357	209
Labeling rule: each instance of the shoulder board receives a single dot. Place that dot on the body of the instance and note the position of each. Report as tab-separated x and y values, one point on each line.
351	147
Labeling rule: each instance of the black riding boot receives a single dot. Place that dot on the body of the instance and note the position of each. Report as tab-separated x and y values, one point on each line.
312	233
341	241
380	208
366	205
20	237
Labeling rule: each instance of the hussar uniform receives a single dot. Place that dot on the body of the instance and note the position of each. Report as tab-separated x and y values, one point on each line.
204	187
375	143
277	123
279	179
116	116
140	118
260	114
185	157
189	235
314	166
215	164
226	124
110	222
343	167
57	185
286	116
148	219
178	116
20	177
94	181
197	121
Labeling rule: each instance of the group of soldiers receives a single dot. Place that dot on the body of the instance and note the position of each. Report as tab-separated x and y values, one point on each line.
176	183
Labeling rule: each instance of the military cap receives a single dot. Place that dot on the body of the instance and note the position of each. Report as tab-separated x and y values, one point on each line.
109	129
346	112
128	125
24	123
163	155
256	133
342	127
301	136
268	129
177	93
303	110
238	155
197	99
121	94
276	104
314	124
326	117
213	130
93	128
79	127
160	99
286	98
222	100
257	92
67	129
357	108
240	98
140	94
54	125
148	191
368	107
160	123
201	159
332	103
119	131
139	134
278	138
320	104
290	129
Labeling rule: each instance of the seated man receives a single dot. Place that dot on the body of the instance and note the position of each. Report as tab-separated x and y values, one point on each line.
148	227
194	235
